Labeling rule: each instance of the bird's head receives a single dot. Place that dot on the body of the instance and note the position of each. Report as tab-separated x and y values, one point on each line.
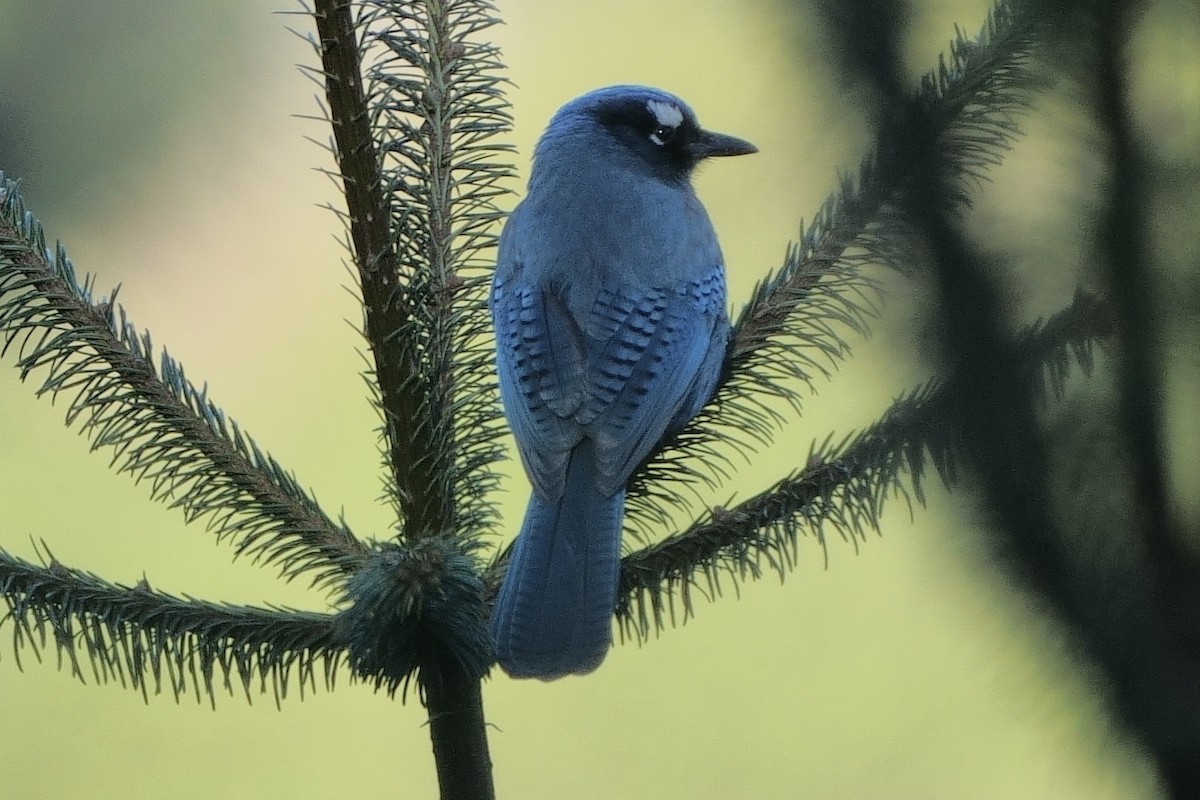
644	126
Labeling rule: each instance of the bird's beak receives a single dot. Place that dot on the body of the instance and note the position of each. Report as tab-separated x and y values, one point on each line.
710	143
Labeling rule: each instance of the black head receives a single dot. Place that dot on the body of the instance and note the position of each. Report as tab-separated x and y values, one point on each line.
657	127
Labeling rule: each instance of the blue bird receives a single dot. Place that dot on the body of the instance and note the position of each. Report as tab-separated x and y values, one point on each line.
609	307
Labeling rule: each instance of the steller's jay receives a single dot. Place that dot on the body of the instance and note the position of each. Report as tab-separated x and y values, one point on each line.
609	307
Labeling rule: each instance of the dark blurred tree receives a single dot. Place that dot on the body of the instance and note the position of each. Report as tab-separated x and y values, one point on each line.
414	95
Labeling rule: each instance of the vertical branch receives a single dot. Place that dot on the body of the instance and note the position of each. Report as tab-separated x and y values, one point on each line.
437	109
356	156
410	130
439	214
388	305
460	746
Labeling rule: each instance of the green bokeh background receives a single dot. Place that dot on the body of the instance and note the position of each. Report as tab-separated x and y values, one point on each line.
158	141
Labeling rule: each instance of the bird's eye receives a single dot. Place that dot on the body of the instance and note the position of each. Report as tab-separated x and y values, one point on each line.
663	134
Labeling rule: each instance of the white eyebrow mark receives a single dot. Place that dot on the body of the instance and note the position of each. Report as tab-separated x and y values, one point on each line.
666	113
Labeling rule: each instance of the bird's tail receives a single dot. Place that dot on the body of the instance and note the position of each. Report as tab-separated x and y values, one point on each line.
554	613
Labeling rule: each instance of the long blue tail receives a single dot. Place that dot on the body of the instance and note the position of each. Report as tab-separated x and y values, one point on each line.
554	613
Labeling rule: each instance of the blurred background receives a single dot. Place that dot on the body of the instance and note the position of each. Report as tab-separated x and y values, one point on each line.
165	145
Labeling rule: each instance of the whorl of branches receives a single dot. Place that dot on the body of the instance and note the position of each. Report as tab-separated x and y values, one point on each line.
414	98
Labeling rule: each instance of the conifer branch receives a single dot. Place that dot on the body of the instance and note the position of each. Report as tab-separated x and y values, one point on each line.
416	104
792	330
414	142
437	87
161	429
155	642
968	106
842	488
387	304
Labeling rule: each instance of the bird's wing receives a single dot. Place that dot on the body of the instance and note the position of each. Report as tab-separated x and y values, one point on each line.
655	356
541	366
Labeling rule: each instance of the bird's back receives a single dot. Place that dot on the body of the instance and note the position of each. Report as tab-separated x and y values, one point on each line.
609	307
